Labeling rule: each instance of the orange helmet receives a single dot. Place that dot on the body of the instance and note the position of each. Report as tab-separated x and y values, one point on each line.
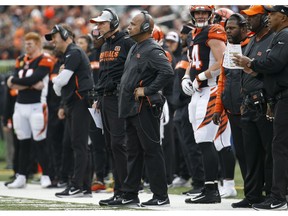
208	8
221	15
157	34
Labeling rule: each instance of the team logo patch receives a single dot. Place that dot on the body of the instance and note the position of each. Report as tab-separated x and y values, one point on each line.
117	48
259	53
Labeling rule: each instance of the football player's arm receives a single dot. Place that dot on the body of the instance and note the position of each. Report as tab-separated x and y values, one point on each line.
218	48
37	76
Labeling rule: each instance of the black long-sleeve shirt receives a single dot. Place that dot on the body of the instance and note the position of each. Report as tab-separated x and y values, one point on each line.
112	58
146	64
275	65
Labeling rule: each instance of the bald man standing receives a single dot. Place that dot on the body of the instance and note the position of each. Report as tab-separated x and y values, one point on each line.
146	71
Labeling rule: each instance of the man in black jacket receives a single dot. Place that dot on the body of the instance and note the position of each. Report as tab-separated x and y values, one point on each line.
112	58
147	69
73	83
274	67
257	131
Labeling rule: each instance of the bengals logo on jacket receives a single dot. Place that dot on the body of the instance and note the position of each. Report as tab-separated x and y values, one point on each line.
111	55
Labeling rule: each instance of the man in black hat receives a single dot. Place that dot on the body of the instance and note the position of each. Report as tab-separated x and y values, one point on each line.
73	83
275	69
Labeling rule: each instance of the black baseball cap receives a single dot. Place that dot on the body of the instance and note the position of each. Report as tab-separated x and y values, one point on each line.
54	30
277	8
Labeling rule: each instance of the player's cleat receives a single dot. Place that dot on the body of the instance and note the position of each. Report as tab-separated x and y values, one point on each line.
45	181
19	182
226	192
206	196
125	200
156	202
98	186
70	192
228	189
106	201
271	203
179	182
193	192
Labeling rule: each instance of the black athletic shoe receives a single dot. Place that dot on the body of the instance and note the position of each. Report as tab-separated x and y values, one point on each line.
206	196
121	201
242	204
156	202
70	192
193	192
271	203
106	201
87	193
62	184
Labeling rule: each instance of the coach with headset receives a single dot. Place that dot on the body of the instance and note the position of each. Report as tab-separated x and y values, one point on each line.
146	71
73	83
112	58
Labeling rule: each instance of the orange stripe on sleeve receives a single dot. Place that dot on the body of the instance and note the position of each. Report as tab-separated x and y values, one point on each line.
221	85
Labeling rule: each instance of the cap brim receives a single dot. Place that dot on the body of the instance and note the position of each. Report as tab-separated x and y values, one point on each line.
97	20
248	12
270	8
48	36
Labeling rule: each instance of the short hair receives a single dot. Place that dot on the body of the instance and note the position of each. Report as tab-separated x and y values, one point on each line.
69	30
33	36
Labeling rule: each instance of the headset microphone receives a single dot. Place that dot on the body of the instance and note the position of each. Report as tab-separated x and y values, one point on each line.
101	36
139	33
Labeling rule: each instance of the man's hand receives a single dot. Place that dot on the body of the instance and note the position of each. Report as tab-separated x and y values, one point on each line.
61	68
187	86
196	83
216	118
61	113
38	86
243	61
138	92
95	106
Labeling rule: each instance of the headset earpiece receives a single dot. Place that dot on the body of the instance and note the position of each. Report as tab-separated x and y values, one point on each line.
145	26
63	32
264	19
240	18
114	23
90	42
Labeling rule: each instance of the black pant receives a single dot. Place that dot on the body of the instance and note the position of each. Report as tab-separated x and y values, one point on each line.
67	160
99	152
31	151
191	151
280	150
114	132
55	133
257	140
237	136
78	121
168	146
143	146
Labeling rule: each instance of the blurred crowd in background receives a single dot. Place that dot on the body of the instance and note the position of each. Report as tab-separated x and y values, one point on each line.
16	21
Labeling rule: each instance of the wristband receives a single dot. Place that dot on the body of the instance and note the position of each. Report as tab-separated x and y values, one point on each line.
202	76
186	76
